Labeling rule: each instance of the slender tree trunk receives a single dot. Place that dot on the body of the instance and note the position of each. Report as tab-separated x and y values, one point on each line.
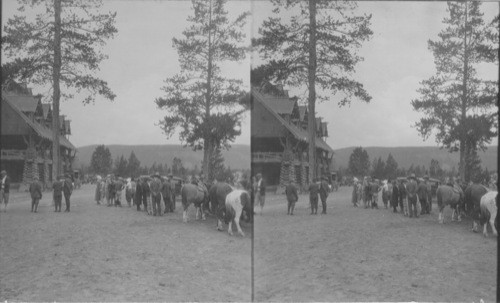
463	139
207	142
56	75
312	90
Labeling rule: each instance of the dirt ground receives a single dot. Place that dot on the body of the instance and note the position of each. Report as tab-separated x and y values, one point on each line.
355	254
99	253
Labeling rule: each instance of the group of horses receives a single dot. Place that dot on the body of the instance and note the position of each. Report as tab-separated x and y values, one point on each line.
476	200
227	203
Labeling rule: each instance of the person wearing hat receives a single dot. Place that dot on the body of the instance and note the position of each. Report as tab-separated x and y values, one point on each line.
166	194
394	195
323	193
35	193
172	192
111	191
355	197
261	192
422	197
67	190
57	187
374	190
97	194
411	188
155	187
313	196
366	192
5	189
403	193
291	196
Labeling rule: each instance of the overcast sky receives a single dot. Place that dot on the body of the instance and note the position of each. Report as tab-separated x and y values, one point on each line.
141	57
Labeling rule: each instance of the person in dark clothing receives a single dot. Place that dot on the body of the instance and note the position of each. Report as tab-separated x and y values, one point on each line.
5	189
155	187
111	191
36	194
165	192
67	190
374	189
395	196
138	194
422	197
146	195
313	196
402	197
118	191
291	197
323	193
412	196
172	192
57	187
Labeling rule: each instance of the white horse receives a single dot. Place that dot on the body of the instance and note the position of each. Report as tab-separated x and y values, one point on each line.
489	212
235	202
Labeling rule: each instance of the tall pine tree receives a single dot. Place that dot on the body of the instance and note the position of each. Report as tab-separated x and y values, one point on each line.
315	46
60	47
204	104
456	102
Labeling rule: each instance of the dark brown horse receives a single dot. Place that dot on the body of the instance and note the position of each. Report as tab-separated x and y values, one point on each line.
217	195
452	196
473	194
197	195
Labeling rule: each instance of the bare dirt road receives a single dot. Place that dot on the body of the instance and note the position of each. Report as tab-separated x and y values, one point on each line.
99	253
354	254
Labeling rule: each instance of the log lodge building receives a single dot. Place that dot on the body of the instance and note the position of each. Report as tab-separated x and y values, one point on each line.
26	137
279	139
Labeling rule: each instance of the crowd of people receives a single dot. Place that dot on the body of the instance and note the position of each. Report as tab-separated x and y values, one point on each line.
145	193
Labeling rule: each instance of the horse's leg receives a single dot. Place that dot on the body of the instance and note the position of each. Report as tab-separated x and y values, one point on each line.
197	212
202	210
474	226
219	225
493	216
237	223
441	216
485	229
184	214
230	228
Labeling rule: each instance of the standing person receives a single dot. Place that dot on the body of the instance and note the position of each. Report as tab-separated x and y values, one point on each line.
138	194
355	192
57	187
155	187
422	197
429	194
111	191
323	193
36	194
291	197
394	196
118	191
67	190
374	190
366	192
386	194
97	195
165	193
313	196
261	192
402	198
412	196
5	190
146	195
130	189
172	192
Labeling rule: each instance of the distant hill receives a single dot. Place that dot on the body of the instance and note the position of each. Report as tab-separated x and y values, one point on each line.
237	157
406	156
